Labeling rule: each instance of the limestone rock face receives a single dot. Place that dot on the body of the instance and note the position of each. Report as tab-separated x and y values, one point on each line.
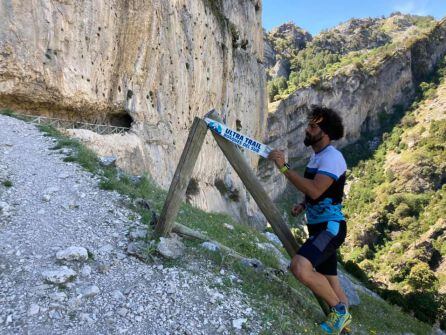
153	65
281	69
269	53
359	98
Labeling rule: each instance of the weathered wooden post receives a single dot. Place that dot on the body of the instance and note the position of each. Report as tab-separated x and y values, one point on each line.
181	178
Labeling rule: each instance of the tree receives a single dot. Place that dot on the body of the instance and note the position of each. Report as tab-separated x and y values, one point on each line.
276	86
273	90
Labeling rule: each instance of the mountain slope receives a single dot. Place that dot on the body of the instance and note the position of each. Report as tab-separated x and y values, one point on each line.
370	71
50	204
397	209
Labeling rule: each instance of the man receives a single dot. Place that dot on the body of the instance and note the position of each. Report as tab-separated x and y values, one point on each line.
315	264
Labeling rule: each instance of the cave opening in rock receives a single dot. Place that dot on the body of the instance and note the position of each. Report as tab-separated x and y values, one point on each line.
122	119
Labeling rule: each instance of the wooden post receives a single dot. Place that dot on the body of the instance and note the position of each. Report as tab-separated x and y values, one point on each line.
268	208
252	183
183	173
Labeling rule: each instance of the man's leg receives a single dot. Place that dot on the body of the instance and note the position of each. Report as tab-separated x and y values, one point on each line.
318	283
336	286
340	318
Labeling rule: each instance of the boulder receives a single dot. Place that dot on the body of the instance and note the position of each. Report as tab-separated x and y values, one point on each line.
171	247
210	246
282	68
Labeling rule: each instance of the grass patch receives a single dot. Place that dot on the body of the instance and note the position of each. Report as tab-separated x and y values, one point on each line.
7	112
242	238
283	311
11	113
387	319
285	308
81	154
7	183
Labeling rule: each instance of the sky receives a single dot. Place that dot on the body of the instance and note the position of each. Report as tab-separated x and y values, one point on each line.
316	15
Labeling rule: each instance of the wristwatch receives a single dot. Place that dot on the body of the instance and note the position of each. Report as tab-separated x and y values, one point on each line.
285	168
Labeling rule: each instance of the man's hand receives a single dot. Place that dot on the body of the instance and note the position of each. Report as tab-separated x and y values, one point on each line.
314	188
278	157
297	209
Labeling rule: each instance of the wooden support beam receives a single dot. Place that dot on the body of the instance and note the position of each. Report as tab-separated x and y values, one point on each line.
268	208
183	173
252	183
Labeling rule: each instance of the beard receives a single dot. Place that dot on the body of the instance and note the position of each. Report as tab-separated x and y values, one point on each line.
312	139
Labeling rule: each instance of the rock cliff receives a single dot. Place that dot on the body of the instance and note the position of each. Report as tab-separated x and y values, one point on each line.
151	65
361	90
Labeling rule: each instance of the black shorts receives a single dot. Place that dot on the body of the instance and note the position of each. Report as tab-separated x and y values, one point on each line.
320	248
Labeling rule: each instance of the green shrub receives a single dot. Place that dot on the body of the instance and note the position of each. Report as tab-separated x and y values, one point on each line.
424	306
356	271
422	278
7	112
276	87
427	90
7	183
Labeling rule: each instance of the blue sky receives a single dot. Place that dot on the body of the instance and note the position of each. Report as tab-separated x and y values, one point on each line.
315	15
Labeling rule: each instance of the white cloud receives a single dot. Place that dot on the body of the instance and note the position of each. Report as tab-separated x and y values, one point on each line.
418	7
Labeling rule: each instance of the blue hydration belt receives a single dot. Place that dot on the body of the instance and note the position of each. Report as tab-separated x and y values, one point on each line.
324	211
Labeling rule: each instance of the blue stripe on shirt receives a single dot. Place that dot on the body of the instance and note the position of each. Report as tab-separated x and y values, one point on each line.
328	174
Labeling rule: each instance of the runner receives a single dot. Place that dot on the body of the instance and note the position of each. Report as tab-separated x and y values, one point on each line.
315	264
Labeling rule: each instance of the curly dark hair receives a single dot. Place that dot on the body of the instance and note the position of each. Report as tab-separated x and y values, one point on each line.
328	120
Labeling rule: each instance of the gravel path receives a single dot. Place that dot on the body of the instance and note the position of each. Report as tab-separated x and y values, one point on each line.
53	205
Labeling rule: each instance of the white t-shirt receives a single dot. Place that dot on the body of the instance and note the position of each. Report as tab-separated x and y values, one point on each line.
328	161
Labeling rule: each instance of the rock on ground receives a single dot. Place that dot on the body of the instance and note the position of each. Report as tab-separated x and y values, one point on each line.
73	254
170	247
59	276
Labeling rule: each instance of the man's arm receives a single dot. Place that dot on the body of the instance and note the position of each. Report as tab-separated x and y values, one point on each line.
311	187
314	188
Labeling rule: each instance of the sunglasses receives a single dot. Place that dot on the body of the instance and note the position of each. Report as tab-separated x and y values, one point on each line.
313	125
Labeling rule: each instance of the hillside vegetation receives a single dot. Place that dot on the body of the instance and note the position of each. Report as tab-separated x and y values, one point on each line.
396	207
